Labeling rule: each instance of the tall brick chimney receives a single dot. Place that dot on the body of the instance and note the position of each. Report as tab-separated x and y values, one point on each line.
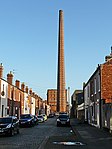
17	83
10	77
1	70
23	86
61	92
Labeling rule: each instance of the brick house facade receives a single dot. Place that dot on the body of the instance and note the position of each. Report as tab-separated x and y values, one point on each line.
52	100
16	99
98	96
106	93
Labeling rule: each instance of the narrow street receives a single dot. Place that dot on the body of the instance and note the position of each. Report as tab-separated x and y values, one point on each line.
48	136
34	137
82	136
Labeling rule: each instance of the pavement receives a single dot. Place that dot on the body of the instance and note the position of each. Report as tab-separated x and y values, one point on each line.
91	136
82	136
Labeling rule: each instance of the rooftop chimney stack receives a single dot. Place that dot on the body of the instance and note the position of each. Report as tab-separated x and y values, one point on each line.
27	89
23	86
1	70
30	91
10	77
17	83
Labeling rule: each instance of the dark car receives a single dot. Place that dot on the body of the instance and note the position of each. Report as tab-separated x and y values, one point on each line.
26	120
63	119
9	125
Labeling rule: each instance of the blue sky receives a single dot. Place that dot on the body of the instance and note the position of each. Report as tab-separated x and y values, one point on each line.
29	33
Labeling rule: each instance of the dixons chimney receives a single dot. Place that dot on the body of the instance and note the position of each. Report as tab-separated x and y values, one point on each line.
61	92
10	77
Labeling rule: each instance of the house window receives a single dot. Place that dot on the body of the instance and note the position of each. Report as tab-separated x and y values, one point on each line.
3	93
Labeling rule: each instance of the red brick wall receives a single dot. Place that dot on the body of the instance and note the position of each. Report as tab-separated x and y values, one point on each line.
52	99
106	81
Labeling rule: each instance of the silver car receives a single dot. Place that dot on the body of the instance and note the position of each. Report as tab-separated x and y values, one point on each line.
40	118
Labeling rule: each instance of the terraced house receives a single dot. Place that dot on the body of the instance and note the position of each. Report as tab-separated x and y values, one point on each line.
17	99
98	96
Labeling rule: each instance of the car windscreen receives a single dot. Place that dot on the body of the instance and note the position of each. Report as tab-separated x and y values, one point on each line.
63	116
25	116
5	120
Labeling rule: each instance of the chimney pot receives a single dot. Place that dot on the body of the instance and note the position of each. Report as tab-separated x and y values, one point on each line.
10	77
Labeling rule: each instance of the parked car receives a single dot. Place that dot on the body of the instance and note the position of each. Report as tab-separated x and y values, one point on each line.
26	120
60	113
35	119
63	119
9	125
51	115
45	116
57	114
40	118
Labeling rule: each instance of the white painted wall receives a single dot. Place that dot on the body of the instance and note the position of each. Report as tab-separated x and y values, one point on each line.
87	101
3	98
98	113
26	108
33	106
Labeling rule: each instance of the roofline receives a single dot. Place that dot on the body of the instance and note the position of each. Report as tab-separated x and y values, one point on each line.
98	68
